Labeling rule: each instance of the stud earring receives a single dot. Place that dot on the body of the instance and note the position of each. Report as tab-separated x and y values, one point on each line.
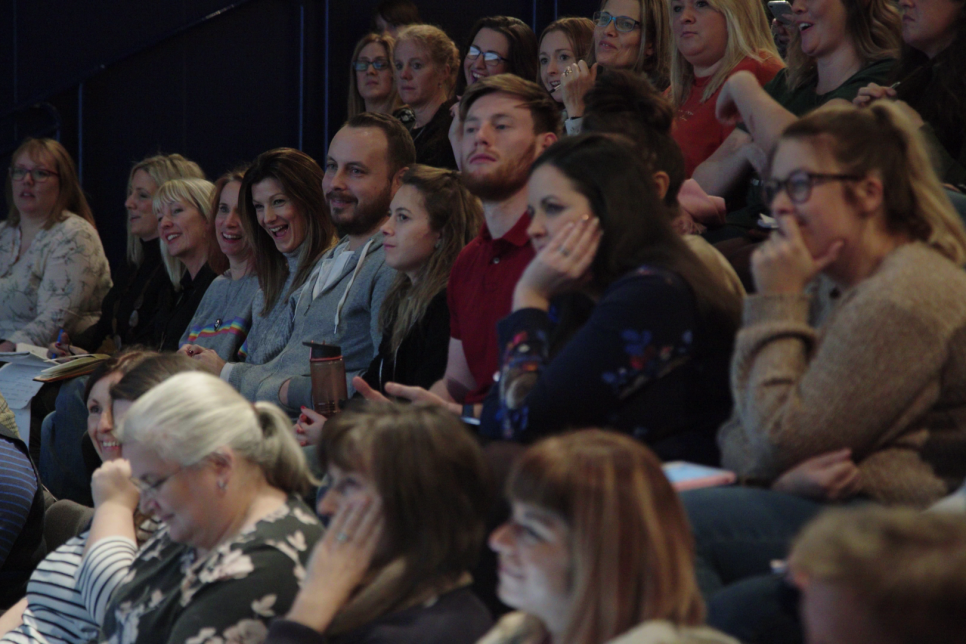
222	485
438	244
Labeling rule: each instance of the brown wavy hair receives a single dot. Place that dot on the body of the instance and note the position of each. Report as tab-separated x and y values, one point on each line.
522	56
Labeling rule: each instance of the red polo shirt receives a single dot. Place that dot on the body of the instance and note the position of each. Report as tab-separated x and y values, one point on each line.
480	294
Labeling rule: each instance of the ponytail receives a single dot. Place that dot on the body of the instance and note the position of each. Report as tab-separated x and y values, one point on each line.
279	454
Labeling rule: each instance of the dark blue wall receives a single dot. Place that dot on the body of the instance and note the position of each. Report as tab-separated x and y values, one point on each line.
128	79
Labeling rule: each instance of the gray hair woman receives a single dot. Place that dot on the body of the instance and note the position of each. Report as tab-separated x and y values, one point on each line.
224	476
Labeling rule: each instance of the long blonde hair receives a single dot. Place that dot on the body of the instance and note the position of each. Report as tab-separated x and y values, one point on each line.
454	213
161	168
440	48
749	36
873	26
632	550
656	33
881	139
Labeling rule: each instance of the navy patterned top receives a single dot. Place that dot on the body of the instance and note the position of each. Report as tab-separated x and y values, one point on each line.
642	362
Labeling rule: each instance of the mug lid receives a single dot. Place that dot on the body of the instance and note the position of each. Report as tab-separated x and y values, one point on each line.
321	350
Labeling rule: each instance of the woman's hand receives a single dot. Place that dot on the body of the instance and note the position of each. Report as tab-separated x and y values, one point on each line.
308	429
7	346
111	484
62	347
560	265
783	264
872	92
210	360
339	563
575	82
827	477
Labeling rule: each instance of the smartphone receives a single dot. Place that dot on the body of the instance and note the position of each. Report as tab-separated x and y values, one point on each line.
782	11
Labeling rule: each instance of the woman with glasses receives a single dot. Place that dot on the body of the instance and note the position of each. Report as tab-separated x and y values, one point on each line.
427	65
372	86
714	40
498	45
224	476
628	34
872	404
53	271
840	46
53	609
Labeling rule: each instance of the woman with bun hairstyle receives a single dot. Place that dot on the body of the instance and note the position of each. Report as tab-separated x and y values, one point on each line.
224	476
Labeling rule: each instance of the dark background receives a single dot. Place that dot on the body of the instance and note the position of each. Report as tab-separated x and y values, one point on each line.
217	80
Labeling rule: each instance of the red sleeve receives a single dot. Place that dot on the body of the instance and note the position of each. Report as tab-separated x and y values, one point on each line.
452	288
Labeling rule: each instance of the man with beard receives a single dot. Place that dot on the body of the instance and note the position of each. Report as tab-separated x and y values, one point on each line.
340	301
507	123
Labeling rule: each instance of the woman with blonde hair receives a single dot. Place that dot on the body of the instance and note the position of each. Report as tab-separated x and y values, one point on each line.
53	272
629	34
185	213
224	476
129	308
372	84
839	48
714	40
393	567
598	548
427	64
869	404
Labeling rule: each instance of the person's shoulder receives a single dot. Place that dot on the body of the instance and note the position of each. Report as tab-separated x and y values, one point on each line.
664	632
764	66
456	617
651	278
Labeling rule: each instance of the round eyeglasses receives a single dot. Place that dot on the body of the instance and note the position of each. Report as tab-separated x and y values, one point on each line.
490	58
39	175
379	64
623	24
799	185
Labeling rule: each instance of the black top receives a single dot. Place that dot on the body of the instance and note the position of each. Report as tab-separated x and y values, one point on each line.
137	288
421	358
642	362
457	617
432	140
177	309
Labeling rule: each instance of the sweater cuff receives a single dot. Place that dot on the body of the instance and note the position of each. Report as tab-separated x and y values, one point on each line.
300	392
285	631
574	125
774	308
226	371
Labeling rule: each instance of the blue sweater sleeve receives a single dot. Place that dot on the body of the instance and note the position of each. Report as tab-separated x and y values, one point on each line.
640	330
18	485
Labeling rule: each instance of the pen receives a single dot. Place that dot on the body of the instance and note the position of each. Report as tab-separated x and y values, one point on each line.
60	336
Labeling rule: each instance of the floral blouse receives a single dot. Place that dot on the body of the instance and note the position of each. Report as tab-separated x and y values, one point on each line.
58	283
229	596
641	362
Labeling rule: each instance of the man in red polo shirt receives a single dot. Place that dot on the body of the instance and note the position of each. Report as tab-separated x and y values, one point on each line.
507	123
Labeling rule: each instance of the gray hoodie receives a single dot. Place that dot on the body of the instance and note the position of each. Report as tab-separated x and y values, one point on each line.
345	313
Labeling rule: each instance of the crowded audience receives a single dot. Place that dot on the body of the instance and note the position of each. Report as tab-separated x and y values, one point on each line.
538	278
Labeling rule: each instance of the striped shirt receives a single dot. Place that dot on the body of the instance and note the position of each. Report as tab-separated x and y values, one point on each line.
18	485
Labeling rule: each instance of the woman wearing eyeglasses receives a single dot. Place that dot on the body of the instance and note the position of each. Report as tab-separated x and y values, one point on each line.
628	34
224	477
498	45
53	272
872	404
427	64
372	85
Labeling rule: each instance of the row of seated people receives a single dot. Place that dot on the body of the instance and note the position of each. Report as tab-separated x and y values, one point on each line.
200	535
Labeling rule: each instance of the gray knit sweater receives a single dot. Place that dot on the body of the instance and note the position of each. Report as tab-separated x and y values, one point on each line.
270	333
884	375
352	323
223	317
